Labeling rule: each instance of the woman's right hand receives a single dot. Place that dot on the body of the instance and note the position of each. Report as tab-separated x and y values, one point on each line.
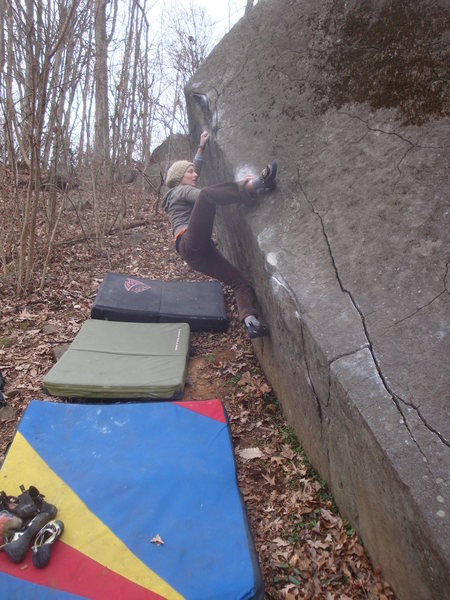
204	139
244	184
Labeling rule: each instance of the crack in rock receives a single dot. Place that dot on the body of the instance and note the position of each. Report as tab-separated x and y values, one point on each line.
348	354
394	133
412	145
418	310
446	277
396	399
279	280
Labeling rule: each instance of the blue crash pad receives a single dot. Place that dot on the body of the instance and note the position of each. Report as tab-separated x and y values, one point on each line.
149	498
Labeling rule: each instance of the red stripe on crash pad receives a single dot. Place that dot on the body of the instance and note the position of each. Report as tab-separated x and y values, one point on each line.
74	572
208	408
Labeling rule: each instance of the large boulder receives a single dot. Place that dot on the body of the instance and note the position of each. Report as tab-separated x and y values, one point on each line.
175	147
349	257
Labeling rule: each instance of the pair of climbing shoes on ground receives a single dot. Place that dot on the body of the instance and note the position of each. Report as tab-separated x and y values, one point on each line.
28	519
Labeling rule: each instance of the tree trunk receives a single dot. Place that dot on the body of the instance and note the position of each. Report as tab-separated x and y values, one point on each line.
101	85
248	7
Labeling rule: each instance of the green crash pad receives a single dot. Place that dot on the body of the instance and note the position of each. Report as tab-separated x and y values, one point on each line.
111	359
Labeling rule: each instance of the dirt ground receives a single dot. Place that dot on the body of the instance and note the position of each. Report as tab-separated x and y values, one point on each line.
305	548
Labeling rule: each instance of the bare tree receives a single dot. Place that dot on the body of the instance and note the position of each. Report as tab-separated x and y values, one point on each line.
78	85
101	83
190	38
43	41
57	157
84	141
35	33
146	114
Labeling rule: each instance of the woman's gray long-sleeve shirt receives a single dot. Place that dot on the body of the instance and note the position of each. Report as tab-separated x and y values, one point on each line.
179	202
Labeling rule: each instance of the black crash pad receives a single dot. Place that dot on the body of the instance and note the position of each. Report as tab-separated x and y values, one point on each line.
134	299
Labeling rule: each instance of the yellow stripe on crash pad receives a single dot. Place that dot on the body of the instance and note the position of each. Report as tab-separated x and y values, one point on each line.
23	465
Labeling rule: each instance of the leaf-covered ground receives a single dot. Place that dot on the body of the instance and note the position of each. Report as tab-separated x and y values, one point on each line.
305	548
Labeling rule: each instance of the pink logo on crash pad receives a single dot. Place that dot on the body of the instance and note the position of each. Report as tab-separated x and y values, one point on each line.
132	285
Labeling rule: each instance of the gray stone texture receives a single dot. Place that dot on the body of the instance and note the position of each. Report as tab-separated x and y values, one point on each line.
151	177
176	147
349	256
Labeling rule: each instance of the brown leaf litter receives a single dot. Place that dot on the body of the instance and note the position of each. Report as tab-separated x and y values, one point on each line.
306	549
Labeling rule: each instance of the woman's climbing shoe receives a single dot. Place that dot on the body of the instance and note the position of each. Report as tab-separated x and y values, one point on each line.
41	504
17	547
268	176
40	552
255	329
31	502
26	508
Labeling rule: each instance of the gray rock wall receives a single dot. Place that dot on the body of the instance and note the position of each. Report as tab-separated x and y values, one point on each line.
349	257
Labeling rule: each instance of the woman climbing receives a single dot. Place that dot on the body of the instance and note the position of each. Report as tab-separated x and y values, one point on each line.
191	212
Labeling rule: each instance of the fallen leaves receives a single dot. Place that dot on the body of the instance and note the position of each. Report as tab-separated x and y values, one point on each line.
250	453
306	550
287	452
157	539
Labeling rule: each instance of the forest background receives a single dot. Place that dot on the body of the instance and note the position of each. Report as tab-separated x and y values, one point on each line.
88	88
